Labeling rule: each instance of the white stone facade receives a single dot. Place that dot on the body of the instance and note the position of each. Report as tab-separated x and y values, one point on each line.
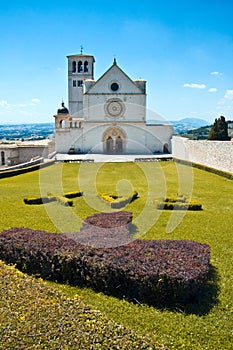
214	154
107	115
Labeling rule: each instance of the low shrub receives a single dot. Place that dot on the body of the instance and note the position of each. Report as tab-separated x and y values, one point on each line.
39	200
117	202
179	203
73	194
60	199
64	201
163	273
107	197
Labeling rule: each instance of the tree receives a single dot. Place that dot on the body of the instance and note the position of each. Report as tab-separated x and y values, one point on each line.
219	130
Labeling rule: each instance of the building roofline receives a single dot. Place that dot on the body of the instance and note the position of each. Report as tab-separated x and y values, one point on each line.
80	55
106	72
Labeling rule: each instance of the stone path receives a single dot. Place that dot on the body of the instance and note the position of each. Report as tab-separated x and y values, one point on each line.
111	157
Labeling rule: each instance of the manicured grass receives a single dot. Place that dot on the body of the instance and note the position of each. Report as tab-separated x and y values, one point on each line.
36	317
209	325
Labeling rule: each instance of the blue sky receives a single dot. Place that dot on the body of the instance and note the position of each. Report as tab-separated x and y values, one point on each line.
184	49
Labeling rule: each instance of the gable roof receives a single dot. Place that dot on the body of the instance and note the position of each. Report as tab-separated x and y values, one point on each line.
119	72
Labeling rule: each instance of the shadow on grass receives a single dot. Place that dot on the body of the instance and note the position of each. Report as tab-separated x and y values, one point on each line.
207	298
201	304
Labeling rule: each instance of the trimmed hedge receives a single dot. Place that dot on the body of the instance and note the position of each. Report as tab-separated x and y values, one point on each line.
73	194
54	197
38	200
162	273
179	203
105	230
118	202
60	199
106	220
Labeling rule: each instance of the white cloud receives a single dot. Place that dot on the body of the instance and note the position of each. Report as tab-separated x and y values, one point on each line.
35	100
229	95
213	90
22	105
216	73
195	86
4	104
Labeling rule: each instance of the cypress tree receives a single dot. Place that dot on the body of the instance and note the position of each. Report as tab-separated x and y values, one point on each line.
219	130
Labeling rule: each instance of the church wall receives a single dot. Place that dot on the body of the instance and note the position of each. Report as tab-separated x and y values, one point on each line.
134	107
139	138
68	138
27	153
113	112
163	133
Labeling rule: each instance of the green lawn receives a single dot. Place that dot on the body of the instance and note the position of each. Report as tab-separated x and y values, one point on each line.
212	327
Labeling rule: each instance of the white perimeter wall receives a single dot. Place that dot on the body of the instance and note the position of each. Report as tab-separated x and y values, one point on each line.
214	154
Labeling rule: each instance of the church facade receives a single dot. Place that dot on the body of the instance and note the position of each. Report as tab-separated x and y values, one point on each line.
107	115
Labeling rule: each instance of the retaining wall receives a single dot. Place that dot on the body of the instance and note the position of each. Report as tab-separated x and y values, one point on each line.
213	154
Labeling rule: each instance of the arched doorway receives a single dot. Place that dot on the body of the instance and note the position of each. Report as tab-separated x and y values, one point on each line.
165	148
109	145
3	158
119	144
114	141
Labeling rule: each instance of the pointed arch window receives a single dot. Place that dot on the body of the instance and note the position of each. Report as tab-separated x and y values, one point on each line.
80	66
85	67
73	67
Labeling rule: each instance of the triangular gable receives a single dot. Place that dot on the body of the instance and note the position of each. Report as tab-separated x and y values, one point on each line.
114	74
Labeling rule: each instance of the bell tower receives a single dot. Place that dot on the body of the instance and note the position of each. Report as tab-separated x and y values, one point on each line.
80	68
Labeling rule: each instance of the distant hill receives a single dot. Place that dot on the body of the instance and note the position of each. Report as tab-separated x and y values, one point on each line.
184	125
193	122
26	131
203	132
193	128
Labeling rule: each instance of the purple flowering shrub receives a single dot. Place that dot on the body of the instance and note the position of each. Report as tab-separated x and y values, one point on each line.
162	272
105	220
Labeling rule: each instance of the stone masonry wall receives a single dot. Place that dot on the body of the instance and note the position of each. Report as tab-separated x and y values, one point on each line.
214	154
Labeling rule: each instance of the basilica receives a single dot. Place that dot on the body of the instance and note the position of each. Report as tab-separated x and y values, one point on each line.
107	115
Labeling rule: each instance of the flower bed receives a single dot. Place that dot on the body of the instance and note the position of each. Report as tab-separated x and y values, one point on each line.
105	230
163	273
106	220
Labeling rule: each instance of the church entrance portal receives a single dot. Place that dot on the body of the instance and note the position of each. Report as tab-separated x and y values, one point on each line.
114	141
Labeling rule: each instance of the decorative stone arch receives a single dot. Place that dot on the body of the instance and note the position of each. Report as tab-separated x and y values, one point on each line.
114	140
